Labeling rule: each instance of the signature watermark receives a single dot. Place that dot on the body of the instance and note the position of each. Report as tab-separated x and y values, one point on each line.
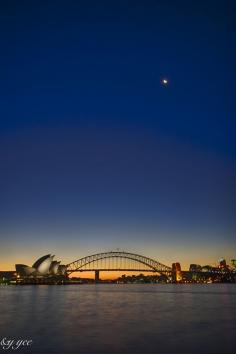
15	344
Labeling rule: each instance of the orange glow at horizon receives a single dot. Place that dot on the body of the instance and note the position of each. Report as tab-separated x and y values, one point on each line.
184	256
10	266
108	275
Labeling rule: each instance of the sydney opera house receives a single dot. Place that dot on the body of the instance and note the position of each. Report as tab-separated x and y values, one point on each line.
45	266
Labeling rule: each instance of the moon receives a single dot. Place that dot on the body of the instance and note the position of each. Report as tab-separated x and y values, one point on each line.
164	82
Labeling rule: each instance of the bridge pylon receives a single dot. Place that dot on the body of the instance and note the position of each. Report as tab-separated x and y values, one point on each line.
97	276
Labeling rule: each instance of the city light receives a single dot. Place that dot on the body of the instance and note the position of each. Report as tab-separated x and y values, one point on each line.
142	269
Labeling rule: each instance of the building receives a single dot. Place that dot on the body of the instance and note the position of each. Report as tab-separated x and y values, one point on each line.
44	267
176	272
233	263
7	276
223	264
195	268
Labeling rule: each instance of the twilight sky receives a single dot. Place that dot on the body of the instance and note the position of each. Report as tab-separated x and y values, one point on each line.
96	154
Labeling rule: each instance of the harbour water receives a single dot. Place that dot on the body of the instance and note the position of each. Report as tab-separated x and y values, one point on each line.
121	318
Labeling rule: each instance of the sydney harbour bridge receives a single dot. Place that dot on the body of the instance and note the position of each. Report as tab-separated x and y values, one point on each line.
117	261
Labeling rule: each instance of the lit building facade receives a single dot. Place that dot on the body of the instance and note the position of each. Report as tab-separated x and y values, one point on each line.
44	267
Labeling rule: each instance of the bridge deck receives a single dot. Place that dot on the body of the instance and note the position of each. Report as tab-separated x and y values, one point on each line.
120	269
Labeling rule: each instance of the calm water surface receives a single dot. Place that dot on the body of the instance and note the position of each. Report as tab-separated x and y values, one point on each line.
127	319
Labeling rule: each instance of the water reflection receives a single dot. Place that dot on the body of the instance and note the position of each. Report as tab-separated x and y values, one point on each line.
127	319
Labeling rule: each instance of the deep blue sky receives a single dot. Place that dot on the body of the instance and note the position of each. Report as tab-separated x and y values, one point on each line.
94	152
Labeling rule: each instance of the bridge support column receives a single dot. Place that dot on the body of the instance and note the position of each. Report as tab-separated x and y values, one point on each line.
96	276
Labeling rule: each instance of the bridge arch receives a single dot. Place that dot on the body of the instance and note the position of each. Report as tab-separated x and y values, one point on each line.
94	262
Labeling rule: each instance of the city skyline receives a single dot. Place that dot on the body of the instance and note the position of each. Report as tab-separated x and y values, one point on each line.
97	152
185	266
114	264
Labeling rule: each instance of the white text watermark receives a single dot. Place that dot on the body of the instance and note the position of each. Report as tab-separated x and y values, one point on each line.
15	344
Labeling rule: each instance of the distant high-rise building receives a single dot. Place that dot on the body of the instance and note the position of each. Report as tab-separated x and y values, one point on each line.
233	263
195	268
223	263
